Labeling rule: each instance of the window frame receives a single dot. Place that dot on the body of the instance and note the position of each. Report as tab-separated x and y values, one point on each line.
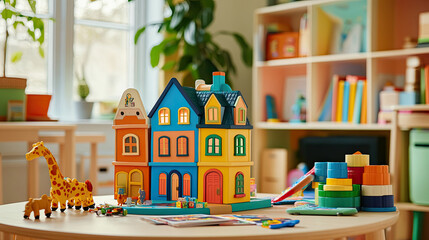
168	147
187	185
186	148
164	113
186	115
237	145
60	52
216	116
213	145
131	153
241	114
239	187
162	185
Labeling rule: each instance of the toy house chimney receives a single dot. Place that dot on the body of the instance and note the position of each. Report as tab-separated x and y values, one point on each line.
218	81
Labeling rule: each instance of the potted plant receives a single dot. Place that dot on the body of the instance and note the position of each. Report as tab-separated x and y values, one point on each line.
13	89
83	107
186	34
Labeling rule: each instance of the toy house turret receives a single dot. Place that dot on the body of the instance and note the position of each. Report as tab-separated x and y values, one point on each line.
174	144
224	142
131	126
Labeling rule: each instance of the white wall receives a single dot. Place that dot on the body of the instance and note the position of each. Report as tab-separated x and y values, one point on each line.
237	16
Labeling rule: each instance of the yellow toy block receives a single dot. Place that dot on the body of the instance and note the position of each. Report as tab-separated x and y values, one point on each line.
337	188
179	204
315	185
357	159
339	181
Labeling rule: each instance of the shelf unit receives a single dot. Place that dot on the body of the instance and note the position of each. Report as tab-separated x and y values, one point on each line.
387	23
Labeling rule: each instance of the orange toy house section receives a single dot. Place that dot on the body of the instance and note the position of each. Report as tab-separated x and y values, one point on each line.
173	136
143	150
133	181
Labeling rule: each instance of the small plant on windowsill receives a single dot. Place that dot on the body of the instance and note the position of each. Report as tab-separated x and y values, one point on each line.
185	31
83	107
25	22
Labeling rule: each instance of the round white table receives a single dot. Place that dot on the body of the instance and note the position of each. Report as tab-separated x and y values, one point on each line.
77	224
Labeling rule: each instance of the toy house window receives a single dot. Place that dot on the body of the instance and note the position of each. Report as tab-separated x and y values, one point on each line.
239	145
212	113
241	115
239	185
162	184
164	146
130	145
214	145
186	184
182	146
183	115
164	116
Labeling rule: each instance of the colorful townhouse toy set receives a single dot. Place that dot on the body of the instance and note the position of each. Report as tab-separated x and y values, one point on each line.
353	184
195	142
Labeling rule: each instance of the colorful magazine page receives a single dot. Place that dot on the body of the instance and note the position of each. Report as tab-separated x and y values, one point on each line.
190	220
259	219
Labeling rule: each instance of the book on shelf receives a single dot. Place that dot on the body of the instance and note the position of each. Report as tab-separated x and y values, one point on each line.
346	99
427	83
363	116
325	113
422	86
352	80
358	101
335	81
340	101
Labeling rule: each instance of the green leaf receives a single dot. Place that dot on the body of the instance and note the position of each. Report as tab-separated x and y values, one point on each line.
169	65
38	24
179	12
41	52
32	4
7	13
16	23
13	3
206	68
171	47
190	33
31	33
155	54
206	12
184	62
246	50
138	33
16	57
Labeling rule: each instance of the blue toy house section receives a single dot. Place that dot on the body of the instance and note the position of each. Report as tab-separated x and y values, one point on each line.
174	98
158	168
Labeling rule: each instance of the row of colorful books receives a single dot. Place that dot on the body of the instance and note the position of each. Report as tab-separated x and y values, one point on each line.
346	100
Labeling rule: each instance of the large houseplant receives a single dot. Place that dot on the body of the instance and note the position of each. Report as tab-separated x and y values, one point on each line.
14	20
185	31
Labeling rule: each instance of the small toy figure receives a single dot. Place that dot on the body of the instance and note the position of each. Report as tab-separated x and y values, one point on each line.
109	210
34	205
299	110
129	201
62	189
121	196
142	196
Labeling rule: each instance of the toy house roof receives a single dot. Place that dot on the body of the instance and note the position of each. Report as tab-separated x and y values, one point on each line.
131	105
226	100
186	94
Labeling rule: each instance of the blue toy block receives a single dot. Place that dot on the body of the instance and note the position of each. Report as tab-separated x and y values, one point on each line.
367	209
388	201
337	170
372	201
321	172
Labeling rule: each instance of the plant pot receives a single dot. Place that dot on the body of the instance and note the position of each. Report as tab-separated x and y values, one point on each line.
38	106
11	89
83	109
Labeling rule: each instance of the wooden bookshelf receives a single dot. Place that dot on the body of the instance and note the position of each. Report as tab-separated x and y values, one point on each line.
388	22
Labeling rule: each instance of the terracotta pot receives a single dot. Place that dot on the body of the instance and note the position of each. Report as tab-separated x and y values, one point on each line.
38	106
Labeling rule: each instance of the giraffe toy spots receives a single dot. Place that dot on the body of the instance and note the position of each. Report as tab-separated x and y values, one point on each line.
77	194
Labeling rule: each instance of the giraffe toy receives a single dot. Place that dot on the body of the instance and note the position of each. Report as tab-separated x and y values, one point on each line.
63	189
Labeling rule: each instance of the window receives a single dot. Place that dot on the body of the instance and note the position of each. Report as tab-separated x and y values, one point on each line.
164	146
183	115
239	145
213	145
241	115
135	182
130	145
239	185
212	113
111	26
182	146
186	184
164	116
32	66
162	184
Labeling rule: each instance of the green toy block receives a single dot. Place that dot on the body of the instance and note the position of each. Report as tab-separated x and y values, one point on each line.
346	202
341	194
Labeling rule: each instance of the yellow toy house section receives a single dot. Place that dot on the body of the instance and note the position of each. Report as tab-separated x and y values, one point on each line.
213	111
224	166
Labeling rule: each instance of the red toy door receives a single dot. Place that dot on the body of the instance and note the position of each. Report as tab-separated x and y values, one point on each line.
174	187
213	187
